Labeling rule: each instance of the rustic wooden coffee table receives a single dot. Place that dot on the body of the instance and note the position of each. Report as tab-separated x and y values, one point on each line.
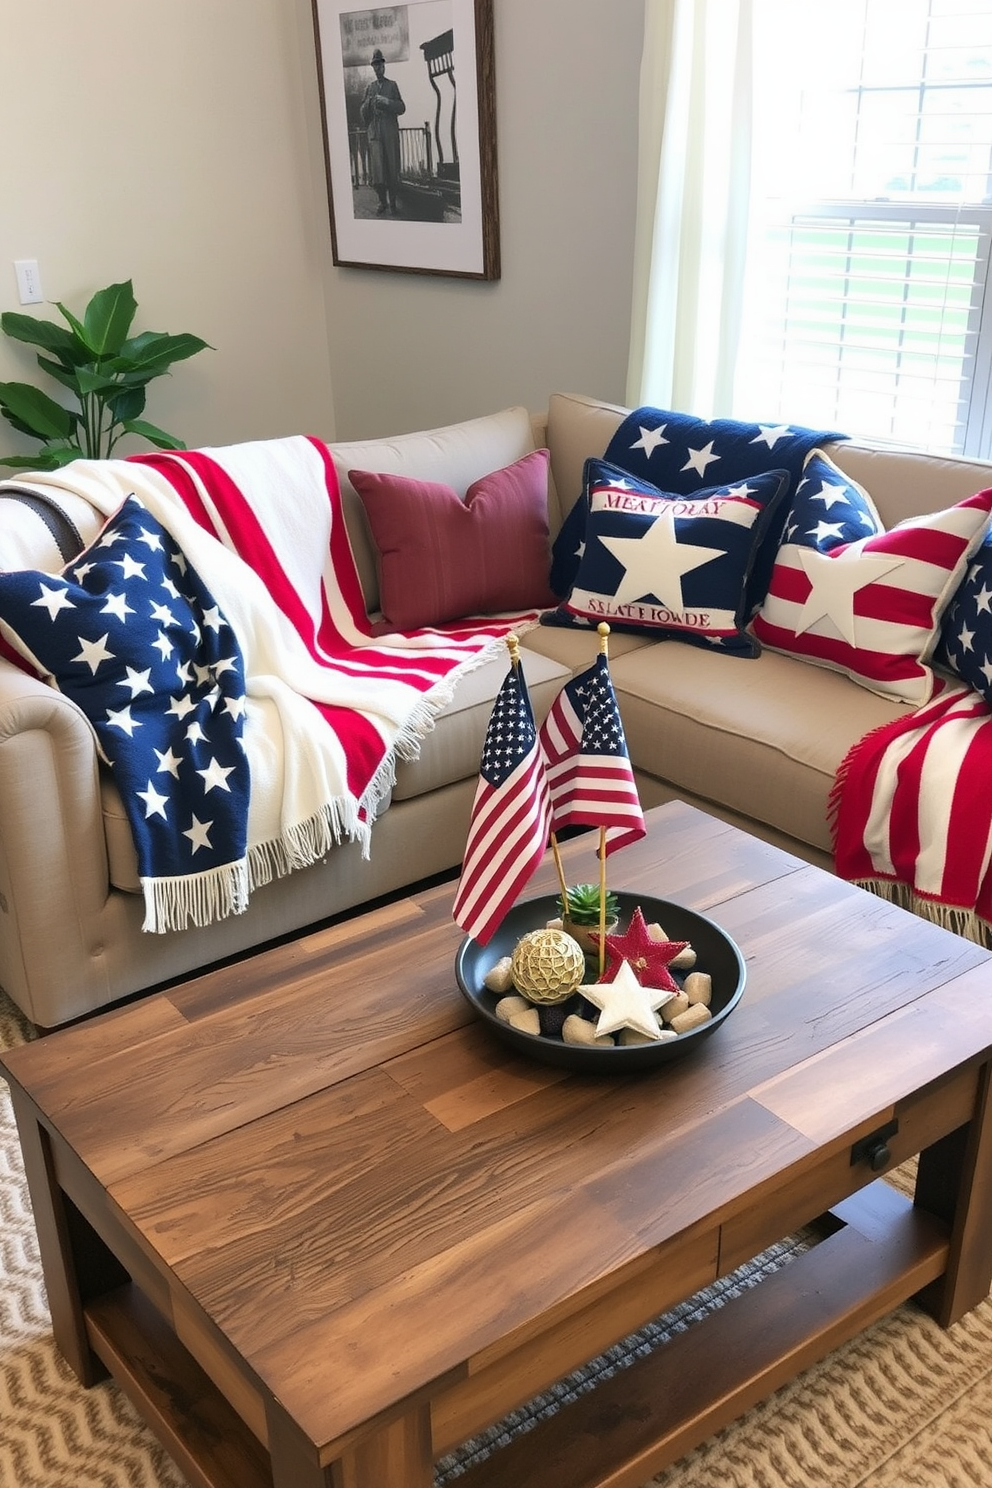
322	1227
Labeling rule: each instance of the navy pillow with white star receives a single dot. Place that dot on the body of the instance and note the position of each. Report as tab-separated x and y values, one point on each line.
682	454
130	633
675	565
966	634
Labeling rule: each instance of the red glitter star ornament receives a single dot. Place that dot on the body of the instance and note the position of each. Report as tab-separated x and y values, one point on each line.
649	958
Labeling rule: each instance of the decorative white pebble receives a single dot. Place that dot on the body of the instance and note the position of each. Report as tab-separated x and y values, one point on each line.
526	1022
676	1004
699	987
656	932
498	978
555	924
631	1036
685	960
576	1030
508	1007
697	1014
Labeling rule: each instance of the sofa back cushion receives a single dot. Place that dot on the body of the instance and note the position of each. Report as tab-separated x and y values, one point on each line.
456	454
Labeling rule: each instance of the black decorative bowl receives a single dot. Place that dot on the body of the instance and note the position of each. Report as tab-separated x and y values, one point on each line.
716	953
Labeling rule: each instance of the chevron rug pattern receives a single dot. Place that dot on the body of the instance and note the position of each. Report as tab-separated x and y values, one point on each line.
906	1405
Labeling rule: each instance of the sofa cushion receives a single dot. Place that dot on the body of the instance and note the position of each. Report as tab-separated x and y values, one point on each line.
441	558
457	454
763	741
871	607
453	749
966	634
670	564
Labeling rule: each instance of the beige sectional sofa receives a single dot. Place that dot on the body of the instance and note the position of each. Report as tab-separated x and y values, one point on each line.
756	741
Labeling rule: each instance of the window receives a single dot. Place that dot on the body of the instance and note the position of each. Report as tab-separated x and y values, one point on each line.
868	304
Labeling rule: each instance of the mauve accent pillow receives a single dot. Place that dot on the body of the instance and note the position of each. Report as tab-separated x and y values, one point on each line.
442	559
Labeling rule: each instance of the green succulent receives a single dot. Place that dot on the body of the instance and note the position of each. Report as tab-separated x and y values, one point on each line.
583	904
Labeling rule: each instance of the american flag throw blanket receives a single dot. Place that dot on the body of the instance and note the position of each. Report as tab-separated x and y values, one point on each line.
327	708
912	811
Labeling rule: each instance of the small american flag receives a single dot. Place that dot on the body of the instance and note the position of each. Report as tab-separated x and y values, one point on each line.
589	774
510	823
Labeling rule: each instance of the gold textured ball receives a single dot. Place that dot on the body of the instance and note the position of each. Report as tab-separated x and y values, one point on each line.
547	966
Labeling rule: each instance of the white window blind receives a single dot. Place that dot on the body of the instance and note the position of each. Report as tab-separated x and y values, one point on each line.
869	307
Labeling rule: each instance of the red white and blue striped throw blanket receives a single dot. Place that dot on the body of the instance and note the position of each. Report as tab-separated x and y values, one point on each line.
912	811
218	619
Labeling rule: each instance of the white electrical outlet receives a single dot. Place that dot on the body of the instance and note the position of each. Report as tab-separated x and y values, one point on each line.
28	281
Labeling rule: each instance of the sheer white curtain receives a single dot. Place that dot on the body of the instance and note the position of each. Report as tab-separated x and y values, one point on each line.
695	132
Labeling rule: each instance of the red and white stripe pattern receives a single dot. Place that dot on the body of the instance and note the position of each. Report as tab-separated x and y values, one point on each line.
510	823
589	773
912	805
878	618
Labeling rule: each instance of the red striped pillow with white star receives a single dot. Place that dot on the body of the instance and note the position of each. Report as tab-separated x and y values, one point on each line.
870	607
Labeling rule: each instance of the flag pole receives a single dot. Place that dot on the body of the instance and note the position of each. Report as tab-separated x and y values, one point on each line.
604	646
513	645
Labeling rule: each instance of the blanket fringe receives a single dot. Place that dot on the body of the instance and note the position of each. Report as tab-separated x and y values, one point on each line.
202	898
195	898
964	922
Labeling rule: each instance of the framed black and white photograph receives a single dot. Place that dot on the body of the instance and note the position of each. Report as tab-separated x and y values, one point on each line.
408	110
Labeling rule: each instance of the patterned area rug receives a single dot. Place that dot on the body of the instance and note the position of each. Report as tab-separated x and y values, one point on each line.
906	1405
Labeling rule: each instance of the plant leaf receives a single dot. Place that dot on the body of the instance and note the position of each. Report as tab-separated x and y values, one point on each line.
93	380
153	351
67	376
155	436
42	415
50	457
35	332
108	318
127	404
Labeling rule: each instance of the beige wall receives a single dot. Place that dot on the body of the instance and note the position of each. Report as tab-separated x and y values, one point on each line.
409	352
179	145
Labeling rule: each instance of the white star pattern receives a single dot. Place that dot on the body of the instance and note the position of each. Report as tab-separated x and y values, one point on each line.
154	803
117	605
656	562
830	494
138	682
53	600
168	762
835	582
770	434
130	568
651	439
199	834
127	587
94	652
700	458
215	777
121	718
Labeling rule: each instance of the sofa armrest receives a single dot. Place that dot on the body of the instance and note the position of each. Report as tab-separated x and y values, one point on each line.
53	858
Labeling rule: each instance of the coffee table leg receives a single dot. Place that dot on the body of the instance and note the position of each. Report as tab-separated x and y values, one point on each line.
55	1244
955	1182
397	1456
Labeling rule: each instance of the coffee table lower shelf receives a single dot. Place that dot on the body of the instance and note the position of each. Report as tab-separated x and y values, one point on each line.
880	1251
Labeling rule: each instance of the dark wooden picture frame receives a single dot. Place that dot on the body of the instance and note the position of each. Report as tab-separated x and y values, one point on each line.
410	140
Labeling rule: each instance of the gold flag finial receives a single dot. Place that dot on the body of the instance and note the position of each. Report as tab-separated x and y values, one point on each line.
513	642
604	632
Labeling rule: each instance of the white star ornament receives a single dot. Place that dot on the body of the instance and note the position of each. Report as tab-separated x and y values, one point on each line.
624	1003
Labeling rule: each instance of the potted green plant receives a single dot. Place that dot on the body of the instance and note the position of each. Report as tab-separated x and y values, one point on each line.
103	367
580	914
